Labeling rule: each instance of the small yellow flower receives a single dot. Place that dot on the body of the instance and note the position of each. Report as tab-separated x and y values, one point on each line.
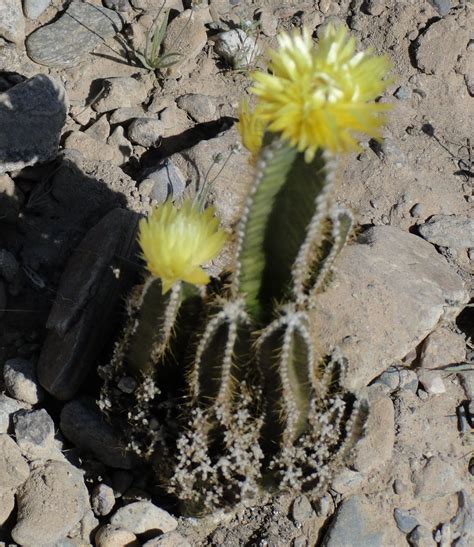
317	97
251	129
177	242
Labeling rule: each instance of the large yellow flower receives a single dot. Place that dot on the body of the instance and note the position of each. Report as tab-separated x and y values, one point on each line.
177	242
317	97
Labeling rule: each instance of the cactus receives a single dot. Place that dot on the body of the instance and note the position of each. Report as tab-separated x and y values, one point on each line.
227	395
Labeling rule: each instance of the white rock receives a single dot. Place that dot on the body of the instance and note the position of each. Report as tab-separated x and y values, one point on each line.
8	406
237	48
14	469
455	232
112	536
142	516
12	23
34	8
20	380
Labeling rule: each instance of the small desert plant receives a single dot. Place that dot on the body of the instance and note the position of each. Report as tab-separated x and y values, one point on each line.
218	382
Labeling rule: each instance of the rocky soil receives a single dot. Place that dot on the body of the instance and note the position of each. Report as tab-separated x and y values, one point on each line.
90	139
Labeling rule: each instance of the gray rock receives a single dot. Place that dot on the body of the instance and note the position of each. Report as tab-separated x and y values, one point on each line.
438	478
90	148
80	29
237	48
417	211
14	469
84	530
20	380
170	539
444	36
50	503
145	131
12	23
118	5
421	537
32	115
102	499
121	145
7	504
34	433
451	231
120	92
403	93
8	407
389	291
143	516
125	114
406	520
356	523
34	8
200	107
347	481
441	348
166	181
99	130
301	509
375	449
113	536
442	6
376	7
84	425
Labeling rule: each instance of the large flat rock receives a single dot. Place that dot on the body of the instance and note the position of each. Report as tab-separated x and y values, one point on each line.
390	290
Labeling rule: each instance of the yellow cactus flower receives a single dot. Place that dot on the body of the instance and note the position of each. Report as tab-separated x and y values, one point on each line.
177	242
318	96
251	129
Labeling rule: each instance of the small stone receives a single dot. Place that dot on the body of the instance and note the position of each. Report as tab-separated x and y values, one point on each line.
20	380
122	146
143	516
34	8
301	509
120	92
14	469
127	384
399	487
32	115
99	130
422	394
118	5
455	232
406	521
167	181
200	107
323	506
170	539
421	537
79	30
237	48
444	36
102	499
403	93
442	6
83	424
300	541
417	211
390	378
85	528
268	22
408	380
12	23
438	478
8	407
347	481
125	114
432	382
81	114
145	131
90	149
51	502
113	536
375	7
34	433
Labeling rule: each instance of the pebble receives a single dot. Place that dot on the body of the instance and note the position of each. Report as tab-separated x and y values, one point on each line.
406	521
377	303
34	8
166	181
102	499
14	469
34	433
20	380
51	502
145	131
301	509
12	23
455	232
421	537
90	148
25	138
170	539
78	30
442	6
444	36
439	477
432	382
8	406
122	146
143	516
84	529
417	211
125	114
347	481
118	5
120	92
237	48
403	93
200	107
99	130
83	424
375	7
113	536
